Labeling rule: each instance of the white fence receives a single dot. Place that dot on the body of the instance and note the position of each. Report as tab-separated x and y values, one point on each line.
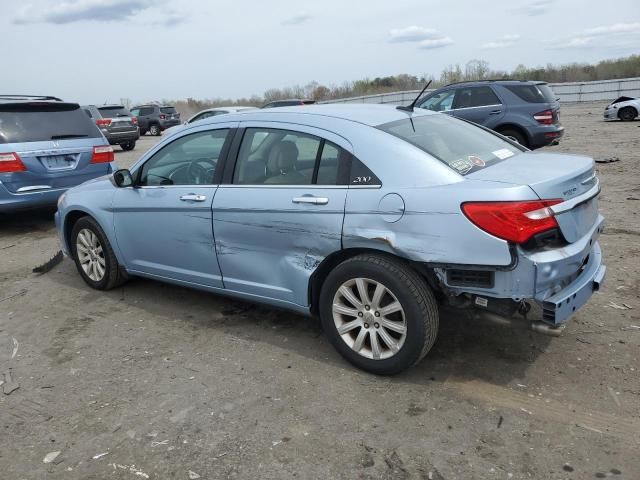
602	90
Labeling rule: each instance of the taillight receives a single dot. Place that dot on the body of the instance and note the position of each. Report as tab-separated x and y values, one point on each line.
134	120
10	162
512	221
102	154
103	122
545	117
162	117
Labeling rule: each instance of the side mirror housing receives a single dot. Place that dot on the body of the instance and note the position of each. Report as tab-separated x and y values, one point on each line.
122	178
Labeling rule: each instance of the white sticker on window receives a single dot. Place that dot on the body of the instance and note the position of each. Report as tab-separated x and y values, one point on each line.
503	153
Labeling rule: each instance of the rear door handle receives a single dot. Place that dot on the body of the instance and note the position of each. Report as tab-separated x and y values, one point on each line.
311	199
192	197
495	112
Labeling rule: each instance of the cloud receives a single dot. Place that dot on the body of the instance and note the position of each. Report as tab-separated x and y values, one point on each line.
297	20
435	43
426	38
607	36
505	41
171	19
537	7
81	10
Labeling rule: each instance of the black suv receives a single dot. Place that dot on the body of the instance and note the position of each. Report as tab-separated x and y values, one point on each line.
116	123
156	118
526	112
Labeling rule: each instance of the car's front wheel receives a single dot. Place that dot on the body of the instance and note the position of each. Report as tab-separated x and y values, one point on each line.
93	255
627	114
378	313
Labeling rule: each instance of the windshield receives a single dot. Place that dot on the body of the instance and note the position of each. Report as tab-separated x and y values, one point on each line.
39	121
461	145
168	109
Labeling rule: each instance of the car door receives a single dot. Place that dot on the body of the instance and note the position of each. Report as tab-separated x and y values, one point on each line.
163	224
479	105
280	209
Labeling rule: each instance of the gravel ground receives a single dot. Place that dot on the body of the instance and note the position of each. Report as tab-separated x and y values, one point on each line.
155	381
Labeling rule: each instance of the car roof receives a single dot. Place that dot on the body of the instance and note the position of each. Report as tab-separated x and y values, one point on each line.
498	81
367	114
29	98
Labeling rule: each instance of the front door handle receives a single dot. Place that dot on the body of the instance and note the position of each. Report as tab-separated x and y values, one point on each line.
311	199
192	197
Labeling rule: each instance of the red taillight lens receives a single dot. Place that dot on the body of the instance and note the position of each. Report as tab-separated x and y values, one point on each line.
545	117
103	154
103	122
10	162
134	120
162	117
512	221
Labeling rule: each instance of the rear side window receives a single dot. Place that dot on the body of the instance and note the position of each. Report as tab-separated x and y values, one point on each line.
39	121
475	97
141	111
532	93
113	112
168	110
461	145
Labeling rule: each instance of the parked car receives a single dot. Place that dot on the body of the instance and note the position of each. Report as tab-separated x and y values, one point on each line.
116	123
155	118
288	103
623	108
365	215
212	112
46	147
526	112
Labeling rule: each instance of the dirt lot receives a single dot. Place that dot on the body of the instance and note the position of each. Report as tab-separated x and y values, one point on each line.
154	381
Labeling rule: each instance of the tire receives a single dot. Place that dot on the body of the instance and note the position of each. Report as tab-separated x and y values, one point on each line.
155	130
516	136
627	114
418	315
84	232
128	146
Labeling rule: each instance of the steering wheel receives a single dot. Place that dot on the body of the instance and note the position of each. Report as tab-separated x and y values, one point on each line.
198	175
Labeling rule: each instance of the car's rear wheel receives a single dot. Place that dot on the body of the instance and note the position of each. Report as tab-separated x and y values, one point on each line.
378	313
155	130
93	255
627	114
128	146
515	136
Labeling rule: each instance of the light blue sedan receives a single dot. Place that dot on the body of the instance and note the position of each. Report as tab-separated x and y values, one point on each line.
369	216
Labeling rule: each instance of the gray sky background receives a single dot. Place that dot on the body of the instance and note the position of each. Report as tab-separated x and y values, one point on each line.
95	51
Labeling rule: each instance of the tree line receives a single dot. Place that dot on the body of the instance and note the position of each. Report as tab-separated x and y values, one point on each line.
473	70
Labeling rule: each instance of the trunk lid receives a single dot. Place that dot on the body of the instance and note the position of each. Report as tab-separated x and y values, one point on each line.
554	176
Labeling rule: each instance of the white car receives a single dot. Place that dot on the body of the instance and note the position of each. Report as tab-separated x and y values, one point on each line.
623	108
212	112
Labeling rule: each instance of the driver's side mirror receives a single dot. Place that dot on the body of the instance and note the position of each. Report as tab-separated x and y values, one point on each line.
123	178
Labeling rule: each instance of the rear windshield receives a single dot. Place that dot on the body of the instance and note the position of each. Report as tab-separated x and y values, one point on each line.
113	112
533	93
462	146
168	109
37	122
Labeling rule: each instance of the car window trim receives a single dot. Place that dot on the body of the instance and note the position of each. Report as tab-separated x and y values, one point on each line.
469	108
230	167
215	180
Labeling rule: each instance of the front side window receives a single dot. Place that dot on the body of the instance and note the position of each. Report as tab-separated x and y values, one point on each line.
283	157
188	160
461	145
475	97
439	102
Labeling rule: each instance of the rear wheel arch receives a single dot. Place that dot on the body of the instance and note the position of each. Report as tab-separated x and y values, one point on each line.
505	127
333	260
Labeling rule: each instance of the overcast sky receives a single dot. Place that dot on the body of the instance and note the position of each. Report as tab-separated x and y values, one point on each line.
95	51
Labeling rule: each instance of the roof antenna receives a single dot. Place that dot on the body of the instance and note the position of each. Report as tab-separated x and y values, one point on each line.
409	108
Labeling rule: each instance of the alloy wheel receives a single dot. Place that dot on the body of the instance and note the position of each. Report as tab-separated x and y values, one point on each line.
90	254
369	318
